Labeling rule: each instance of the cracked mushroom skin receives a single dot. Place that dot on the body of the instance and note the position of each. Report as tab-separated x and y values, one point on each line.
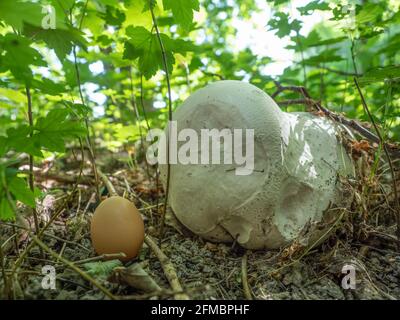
297	161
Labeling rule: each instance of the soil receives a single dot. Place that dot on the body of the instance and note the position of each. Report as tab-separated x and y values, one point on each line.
205	270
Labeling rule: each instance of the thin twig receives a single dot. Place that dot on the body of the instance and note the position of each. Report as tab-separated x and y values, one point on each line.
110	187
165	64
168	268
46	234
106	256
246	288
142	103
67	179
31	178
295	101
88	138
352	124
149	130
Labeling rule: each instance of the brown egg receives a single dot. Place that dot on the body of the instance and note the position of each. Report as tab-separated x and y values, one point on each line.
117	226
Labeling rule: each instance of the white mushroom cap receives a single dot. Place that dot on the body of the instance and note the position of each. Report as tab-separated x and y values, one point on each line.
296	162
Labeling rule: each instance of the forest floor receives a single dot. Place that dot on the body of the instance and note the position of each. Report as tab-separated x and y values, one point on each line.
205	270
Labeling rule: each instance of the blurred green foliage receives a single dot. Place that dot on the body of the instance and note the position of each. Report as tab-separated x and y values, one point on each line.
108	51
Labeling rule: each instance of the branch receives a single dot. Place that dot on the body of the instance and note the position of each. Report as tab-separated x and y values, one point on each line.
246	288
330	114
68	179
168	268
107	183
295	101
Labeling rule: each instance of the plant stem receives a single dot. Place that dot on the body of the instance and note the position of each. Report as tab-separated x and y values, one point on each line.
88	138
168	268
302	59
164	59
31	178
382	142
353	56
136	113
245	282
149	130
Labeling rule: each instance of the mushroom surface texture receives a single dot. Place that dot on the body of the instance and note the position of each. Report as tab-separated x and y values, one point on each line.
298	163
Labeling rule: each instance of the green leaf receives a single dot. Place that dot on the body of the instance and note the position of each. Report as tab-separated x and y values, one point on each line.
392	46
323	57
278	2
6	211
70	72
312	6
64	5
3	145
19	139
328	41
55	128
61	40
79	109
145	46
12	95
47	86
280	22
19	56
50	133
182	11
19	189
113	16
16	13
108	2
102	269
305	42
149	4
380	75
137	15
368	13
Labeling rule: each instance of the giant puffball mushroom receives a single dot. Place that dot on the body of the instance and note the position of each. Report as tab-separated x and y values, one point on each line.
298	160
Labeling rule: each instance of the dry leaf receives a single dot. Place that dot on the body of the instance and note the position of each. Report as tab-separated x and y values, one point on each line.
135	277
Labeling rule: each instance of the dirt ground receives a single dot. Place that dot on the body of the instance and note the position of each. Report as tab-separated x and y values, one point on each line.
363	239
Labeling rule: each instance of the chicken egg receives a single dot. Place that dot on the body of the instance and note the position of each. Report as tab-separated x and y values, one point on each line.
117	226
